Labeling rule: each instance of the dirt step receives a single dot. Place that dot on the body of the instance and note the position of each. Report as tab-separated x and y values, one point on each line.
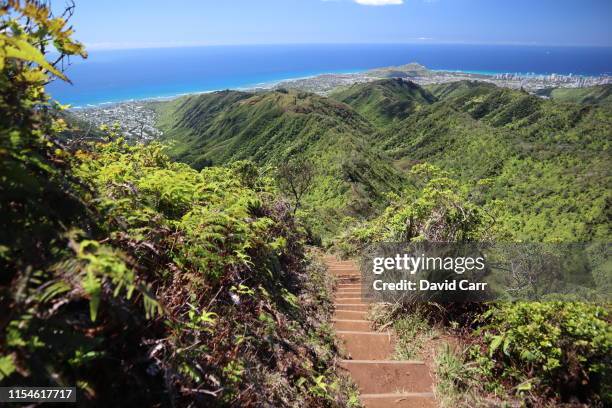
389	376
351	298
404	400
350	314
350	295
360	307
342	299
346	292
367	345
352	325
344	275
349	281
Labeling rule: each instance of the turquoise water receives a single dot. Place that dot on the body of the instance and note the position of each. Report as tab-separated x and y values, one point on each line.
119	75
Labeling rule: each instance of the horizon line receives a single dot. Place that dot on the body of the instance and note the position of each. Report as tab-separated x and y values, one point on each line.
143	46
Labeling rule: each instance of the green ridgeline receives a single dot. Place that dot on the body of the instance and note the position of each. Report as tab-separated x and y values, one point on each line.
547	161
270	128
138	280
595	95
143	281
387	101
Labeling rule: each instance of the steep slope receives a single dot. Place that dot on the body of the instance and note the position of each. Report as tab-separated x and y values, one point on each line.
496	106
453	89
386	101
549	162
269	128
440	134
141	255
595	95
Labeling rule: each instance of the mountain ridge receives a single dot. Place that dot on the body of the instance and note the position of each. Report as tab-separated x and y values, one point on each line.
270	128
385	101
538	153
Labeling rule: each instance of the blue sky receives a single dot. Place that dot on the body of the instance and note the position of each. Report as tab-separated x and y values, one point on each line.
153	23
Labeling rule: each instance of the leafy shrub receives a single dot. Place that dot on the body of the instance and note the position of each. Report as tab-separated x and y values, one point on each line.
435	207
171	250
142	281
457	380
562	348
413	331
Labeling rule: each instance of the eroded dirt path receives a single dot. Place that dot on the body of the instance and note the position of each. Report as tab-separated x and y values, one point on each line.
383	382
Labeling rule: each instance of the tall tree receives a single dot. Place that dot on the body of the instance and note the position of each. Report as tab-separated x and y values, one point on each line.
295	177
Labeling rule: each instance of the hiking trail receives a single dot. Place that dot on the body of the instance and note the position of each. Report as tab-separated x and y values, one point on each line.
382	381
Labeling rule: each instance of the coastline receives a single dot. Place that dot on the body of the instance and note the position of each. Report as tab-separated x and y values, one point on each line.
415	72
109	77
266	85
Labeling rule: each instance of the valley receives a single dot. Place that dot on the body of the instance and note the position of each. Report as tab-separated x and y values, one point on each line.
138	124
266	247
544	163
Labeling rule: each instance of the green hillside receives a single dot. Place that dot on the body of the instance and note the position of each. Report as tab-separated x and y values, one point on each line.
385	101
548	161
595	95
453	89
140	281
270	128
182	272
545	162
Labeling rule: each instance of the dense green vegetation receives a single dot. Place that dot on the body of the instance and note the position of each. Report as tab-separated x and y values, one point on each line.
508	166
180	275
528	351
171	250
385	102
545	163
433	207
595	95
560	347
140	280
270	128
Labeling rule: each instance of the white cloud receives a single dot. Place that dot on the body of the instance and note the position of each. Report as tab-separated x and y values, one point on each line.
379	2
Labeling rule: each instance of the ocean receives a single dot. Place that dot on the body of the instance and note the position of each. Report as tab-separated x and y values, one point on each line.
120	75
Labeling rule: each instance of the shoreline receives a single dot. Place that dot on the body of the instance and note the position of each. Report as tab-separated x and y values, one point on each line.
252	87
357	76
